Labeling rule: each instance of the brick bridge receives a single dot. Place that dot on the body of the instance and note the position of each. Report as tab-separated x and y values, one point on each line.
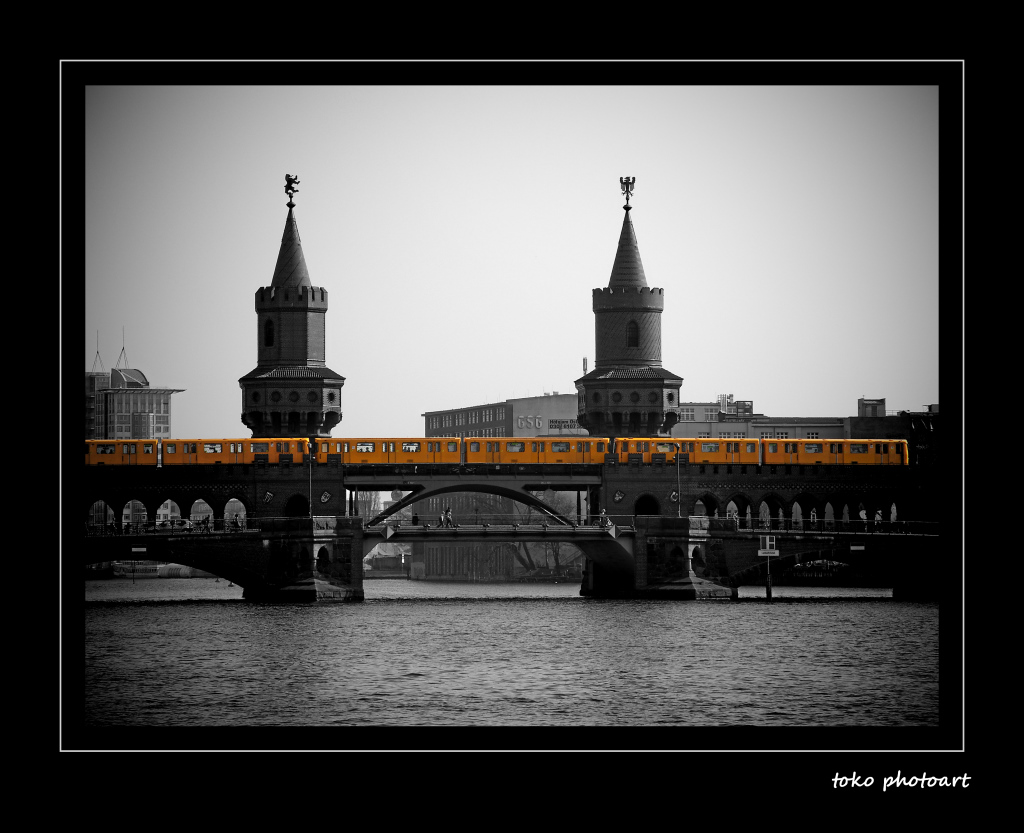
652	549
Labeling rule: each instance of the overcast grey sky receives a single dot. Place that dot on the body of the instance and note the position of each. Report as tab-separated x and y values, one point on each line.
459	231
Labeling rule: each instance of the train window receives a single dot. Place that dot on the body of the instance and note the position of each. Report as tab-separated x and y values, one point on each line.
391	447
533	446
474	446
579	447
751	448
666	447
858	448
899	450
259	448
453	446
364	447
773	447
600	447
542	447
515	447
709	446
147	448
212	448
128	448
878	448
488	446
170	448
346	448
560	448
105	448
835	448
812	448
410	447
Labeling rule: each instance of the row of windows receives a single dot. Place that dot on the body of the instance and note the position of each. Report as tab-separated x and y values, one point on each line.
186	448
466	418
689	415
129	403
837	448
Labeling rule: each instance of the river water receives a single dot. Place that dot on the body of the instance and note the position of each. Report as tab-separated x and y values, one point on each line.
192	653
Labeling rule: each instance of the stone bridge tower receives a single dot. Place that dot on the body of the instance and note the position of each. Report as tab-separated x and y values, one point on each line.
628	393
291	392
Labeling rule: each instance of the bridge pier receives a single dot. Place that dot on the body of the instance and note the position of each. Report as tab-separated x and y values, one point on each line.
308	560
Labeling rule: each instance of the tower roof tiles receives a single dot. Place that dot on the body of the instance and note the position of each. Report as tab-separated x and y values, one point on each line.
291	265
627	269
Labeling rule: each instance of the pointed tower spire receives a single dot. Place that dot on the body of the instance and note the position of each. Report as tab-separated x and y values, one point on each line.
291	265
627	270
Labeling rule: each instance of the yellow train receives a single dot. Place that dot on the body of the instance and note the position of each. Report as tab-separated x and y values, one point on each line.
499	451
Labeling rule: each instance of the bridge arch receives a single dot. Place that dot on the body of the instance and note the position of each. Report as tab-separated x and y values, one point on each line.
646	504
518	494
740	507
297	506
708	502
773	506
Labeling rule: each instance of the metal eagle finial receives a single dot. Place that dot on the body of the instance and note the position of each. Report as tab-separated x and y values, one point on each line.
627	186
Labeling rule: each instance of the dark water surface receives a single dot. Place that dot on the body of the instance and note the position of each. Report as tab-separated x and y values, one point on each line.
192	653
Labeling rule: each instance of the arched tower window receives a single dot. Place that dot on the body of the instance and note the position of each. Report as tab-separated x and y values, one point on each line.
268	334
632	334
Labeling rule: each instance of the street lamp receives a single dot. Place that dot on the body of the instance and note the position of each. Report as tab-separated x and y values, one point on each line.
679	491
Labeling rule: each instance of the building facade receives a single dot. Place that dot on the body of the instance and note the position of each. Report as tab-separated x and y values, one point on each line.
122	405
552	414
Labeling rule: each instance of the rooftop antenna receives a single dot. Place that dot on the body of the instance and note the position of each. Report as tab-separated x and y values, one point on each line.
98	359
123	355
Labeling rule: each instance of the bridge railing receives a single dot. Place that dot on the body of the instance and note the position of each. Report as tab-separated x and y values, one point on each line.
177	527
815	525
696	524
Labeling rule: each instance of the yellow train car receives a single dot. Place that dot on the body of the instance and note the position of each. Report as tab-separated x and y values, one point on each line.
836	452
121	452
743	451
200	452
588	450
385	450
544	450
504	450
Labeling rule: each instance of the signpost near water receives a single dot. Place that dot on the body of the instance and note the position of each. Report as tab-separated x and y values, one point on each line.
767	550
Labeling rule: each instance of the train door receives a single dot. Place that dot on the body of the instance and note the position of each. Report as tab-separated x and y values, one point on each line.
881	454
792	453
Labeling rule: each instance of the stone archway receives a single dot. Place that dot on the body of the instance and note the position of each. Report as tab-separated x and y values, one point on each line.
646	505
297	507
